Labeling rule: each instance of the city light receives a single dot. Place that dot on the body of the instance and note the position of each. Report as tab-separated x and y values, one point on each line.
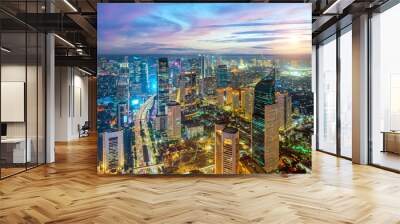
135	102
189	103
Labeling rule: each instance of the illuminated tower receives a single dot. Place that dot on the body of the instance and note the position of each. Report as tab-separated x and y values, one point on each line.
144	77
219	127
222	76
247	101
230	150
113	152
162	93
220	97
235	100
264	94
229	95
174	120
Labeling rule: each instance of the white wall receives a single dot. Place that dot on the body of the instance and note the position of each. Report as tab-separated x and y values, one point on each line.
71	102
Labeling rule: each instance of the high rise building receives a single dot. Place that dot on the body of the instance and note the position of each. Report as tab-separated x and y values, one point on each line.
220	97
271	137
247	101
230	150
229	95
222	76
135	87
174	120
218	128
235	100
122	115
284	102
162	93
144	73
113	152
264	94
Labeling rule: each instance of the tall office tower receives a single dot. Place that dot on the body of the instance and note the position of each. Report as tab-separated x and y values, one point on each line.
264	94
222	76
247	101
235	100
128	154
284	102
271	151
162	93
174	120
229	95
203	66
135	87
220	97
144	79
230	153
122	88
218	128
122	115
113	152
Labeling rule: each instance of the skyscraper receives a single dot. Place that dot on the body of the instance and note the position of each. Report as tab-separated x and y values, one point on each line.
271	137
222	76
247	101
229	95
144	72
220	97
284	102
264	94
162	93
113	152
235	100
174	120
230	154
219	127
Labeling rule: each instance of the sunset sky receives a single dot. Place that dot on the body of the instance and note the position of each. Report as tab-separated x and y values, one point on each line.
228	28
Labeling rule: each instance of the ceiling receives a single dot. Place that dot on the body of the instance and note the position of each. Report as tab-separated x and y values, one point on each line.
75	21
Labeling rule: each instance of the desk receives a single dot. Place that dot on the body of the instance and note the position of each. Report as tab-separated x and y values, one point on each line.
391	141
13	150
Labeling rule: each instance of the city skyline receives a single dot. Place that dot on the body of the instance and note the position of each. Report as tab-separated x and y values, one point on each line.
228	28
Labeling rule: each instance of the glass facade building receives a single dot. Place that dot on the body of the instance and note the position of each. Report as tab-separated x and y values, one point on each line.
264	94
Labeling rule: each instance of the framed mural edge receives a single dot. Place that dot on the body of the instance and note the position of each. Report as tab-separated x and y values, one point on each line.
204	88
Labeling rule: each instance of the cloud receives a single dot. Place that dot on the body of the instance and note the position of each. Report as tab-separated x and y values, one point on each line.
262	47
247	24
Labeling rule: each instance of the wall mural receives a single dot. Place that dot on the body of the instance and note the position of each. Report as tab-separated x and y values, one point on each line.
204	88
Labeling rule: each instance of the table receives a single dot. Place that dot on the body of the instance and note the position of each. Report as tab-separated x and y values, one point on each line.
13	150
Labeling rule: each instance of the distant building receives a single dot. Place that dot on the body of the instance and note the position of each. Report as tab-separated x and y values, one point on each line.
219	127
220	97
223	78
113	152
235	100
162	93
264	94
209	85
229	95
247	101
174	120
230	154
122	115
144	79
193	129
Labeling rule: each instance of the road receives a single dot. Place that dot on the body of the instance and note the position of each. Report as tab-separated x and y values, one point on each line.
143	140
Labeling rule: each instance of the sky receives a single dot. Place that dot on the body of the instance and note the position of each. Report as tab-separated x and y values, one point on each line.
204	28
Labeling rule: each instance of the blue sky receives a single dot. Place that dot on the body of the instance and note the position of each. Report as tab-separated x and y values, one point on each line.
189	28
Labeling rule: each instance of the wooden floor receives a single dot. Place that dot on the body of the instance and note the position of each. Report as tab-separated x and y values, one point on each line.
69	191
